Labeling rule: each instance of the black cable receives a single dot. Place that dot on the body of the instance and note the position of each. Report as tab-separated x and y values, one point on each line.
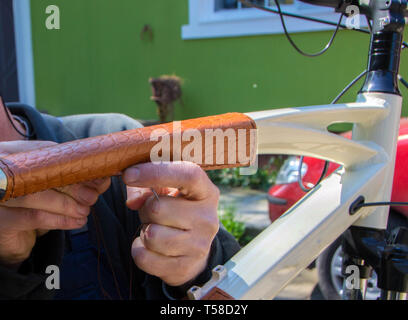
348	86
324	172
297	16
328	45
30	135
359	203
401	79
375	204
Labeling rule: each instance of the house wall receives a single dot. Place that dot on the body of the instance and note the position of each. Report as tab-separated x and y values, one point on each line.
97	62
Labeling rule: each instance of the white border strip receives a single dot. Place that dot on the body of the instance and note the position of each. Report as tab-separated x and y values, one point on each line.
24	51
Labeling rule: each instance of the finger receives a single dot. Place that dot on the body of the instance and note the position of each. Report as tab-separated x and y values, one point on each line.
86	193
188	177
80	193
157	264
29	219
136	197
169	241
50	201
10	147
100	185
180	213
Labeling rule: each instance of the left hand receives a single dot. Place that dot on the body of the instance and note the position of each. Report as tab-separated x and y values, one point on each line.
178	230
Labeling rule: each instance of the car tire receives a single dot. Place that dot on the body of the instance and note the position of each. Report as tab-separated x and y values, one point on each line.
324	271
329	283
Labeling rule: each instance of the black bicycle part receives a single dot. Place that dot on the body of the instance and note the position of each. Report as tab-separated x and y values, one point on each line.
383	63
385	46
386	253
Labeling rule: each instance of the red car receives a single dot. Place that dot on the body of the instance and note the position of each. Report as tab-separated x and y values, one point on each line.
287	192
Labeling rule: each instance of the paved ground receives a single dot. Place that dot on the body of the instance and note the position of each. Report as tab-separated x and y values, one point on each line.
252	208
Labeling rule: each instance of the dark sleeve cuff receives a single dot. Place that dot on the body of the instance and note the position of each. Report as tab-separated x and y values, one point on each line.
28	281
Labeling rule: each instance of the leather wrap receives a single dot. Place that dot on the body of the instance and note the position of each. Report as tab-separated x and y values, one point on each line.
107	155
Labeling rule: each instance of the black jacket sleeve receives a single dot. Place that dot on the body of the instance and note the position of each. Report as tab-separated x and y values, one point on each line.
29	281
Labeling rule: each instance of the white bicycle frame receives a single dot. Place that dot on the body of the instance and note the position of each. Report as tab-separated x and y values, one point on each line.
269	262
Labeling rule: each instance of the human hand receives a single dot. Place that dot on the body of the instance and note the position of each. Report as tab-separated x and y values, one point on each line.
24	219
178	230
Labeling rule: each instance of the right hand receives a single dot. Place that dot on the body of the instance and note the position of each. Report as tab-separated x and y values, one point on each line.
24	219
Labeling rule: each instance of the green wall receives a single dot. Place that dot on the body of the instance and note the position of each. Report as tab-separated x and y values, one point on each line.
97	62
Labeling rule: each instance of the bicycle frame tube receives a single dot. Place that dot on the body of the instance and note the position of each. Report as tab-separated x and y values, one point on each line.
262	268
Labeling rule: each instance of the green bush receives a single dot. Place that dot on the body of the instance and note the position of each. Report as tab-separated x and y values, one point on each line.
228	220
263	179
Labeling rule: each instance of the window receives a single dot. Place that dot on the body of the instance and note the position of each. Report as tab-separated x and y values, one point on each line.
229	18
235	4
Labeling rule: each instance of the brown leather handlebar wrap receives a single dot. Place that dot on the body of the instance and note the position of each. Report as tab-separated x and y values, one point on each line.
103	156
217	294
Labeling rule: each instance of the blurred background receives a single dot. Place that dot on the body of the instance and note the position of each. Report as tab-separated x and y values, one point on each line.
227	57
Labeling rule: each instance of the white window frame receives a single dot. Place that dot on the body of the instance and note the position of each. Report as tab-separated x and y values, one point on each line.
24	51
205	22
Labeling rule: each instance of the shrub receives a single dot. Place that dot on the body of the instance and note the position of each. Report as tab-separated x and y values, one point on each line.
228	220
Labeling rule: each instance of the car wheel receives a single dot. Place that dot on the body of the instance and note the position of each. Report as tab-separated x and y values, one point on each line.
329	271
329	265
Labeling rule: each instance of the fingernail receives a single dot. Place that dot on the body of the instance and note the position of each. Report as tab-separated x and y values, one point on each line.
132	175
